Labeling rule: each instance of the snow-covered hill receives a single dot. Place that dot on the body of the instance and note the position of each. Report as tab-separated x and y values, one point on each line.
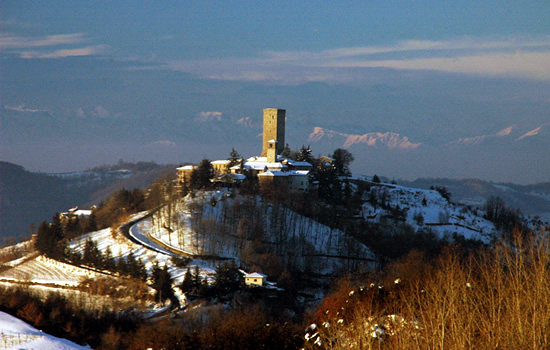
426	209
16	334
215	223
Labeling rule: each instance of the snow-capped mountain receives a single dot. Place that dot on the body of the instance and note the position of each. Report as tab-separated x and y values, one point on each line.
480	138
388	140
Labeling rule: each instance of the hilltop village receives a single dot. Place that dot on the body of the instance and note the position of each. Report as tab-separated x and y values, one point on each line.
270	168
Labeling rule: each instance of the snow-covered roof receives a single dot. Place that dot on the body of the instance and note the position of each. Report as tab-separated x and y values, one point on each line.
255	275
186	167
285	173
298	163
238	176
274	173
222	161
263	165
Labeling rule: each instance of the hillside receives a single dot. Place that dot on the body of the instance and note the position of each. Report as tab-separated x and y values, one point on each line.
532	200
295	242
16	334
29	198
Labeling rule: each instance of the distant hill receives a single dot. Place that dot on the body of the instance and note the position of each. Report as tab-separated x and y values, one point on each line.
29	198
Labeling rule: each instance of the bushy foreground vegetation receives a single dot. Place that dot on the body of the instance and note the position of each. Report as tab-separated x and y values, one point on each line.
497	298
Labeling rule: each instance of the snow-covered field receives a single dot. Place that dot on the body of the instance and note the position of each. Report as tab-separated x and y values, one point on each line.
150	253
16	334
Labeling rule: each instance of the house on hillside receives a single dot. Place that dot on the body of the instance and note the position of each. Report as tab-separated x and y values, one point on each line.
73	214
76	212
254	279
221	166
184	173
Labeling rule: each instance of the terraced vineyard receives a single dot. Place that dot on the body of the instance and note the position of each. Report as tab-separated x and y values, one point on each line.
47	271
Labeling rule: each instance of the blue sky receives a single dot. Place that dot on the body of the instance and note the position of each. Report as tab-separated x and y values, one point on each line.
440	73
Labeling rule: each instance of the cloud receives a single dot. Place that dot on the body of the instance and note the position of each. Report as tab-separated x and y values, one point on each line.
83	51
100	112
22	108
96	112
507	57
532	65
209	116
13	41
246	122
46	46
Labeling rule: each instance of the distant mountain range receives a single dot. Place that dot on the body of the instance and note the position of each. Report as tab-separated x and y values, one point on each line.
388	139
29	198
392	140
513	154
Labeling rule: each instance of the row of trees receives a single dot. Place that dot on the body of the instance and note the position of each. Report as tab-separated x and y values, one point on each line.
128	266
228	280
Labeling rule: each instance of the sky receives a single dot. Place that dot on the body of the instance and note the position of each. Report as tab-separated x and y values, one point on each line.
457	89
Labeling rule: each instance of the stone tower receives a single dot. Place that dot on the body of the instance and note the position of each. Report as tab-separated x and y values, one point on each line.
274	129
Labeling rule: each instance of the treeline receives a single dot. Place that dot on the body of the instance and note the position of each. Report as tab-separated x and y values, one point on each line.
127	266
487	299
213	328
227	281
506	219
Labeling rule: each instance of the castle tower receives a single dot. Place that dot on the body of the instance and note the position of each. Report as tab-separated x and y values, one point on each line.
274	129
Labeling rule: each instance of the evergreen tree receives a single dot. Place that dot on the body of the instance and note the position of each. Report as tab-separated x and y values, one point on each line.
91	224
162	283
227	278
49	236
200	177
92	256
234	158
329	184
304	155
342	160
187	284
108	263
